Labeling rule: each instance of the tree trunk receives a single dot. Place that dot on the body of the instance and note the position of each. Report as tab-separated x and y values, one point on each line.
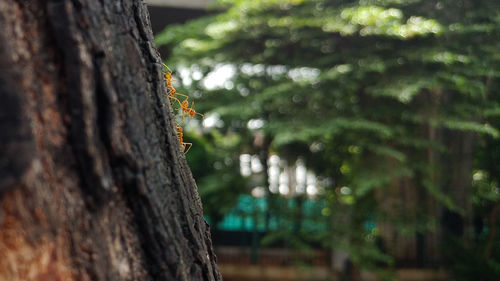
93	183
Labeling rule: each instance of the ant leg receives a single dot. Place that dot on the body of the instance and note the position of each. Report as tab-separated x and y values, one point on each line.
183	116
181	122
189	147
182	95
202	116
167	67
177	100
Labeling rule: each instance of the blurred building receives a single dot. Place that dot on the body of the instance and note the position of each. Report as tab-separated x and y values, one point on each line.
191	4
165	12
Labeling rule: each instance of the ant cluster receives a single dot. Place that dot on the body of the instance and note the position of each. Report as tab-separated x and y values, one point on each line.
184	109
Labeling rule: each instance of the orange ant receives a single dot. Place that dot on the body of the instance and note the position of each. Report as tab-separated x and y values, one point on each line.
182	143
172	91
184	106
189	110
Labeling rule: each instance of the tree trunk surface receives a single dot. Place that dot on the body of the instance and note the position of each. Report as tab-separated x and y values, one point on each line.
93	183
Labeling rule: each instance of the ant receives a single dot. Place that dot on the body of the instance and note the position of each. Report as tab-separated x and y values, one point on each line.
168	78
172	92
184	106
189	110
181	141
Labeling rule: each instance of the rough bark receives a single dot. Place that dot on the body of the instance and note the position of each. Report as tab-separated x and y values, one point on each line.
93	183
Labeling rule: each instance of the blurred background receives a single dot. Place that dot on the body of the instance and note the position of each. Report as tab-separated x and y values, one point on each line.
343	140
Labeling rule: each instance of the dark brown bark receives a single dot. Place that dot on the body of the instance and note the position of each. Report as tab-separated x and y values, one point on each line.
93	183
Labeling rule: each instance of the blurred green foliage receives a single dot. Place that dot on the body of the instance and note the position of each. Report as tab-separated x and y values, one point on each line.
367	92
214	162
